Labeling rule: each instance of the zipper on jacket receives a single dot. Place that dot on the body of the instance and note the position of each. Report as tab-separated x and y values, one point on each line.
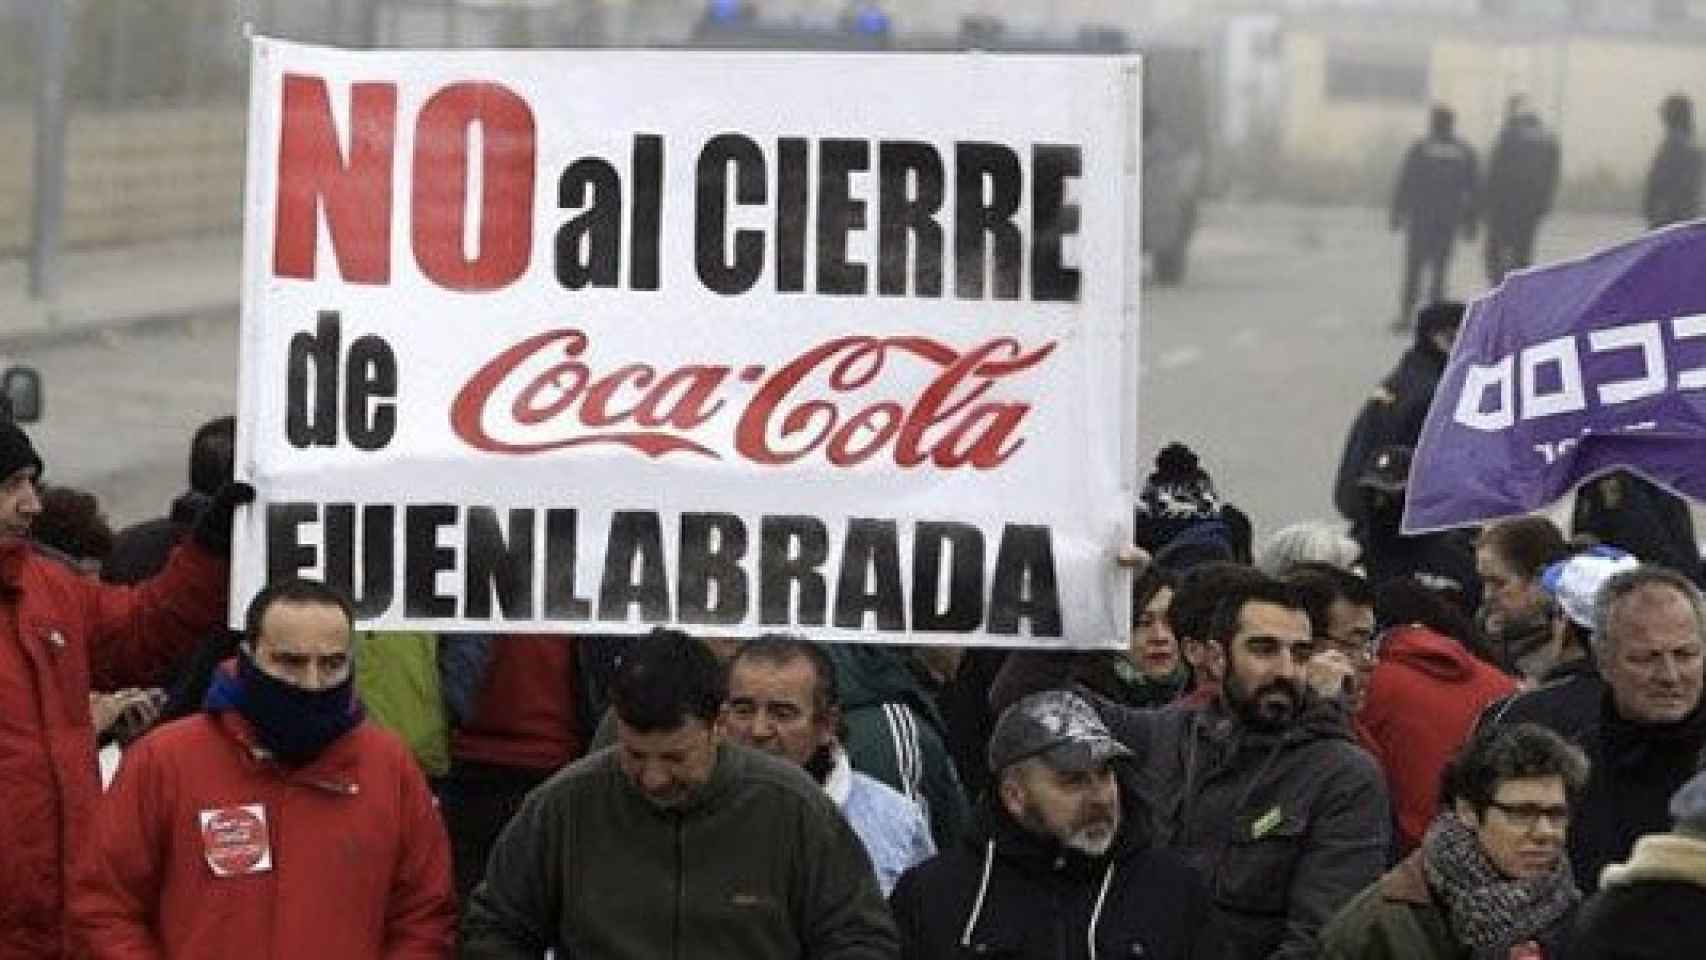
680	883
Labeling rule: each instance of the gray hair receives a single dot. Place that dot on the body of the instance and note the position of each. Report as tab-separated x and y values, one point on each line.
1311	541
1618	589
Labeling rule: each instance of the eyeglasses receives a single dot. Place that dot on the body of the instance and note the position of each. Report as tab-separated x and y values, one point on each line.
1528	815
1354	644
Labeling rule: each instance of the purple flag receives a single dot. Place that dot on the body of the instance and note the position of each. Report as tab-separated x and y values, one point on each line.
1566	372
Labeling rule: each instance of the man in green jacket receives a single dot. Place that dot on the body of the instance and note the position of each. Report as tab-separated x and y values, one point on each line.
674	844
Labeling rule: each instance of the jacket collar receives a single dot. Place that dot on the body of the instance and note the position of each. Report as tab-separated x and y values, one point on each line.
729	770
13	552
334	770
1407	882
1660	857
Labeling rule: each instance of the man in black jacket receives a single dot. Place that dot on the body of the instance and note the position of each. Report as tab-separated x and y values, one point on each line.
1434	199
1673	181
1522	177
1395	412
1263	790
1059	865
1645	732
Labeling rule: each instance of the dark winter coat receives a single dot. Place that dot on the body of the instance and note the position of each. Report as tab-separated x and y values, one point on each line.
896	734
1436	187
1285	827
1652	908
1393	414
757	865
1399	918
1522	173
1566	702
1673	181
1636	768
1005	892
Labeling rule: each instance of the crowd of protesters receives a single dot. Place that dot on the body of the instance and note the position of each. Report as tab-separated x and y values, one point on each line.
1492	749
1339	740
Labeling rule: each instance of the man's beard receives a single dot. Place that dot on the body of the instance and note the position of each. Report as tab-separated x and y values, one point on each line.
1522	642
1256	710
1094	840
1094	837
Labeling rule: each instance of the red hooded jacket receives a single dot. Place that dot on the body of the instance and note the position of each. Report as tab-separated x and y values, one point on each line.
63	633
1423	699
206	850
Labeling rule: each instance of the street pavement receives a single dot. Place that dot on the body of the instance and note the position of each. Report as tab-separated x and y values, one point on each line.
1258	361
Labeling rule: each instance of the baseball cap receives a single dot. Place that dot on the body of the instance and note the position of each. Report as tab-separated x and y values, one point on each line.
1059	726
1575	582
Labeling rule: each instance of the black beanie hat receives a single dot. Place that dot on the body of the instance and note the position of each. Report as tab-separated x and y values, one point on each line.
16	452
1443	315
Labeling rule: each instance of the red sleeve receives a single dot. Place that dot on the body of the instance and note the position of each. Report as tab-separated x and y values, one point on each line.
114	894
420	916
138	631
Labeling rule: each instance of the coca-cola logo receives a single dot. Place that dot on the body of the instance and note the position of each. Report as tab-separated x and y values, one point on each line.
546	394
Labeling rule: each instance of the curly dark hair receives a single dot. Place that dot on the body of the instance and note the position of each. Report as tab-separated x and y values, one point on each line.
1520	751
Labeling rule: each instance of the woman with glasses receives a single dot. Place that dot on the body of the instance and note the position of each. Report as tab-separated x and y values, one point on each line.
1490	880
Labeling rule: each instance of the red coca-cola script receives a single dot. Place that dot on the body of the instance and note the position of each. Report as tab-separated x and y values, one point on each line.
546	393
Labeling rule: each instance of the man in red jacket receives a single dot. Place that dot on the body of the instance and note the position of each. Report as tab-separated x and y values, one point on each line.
63	634
277	824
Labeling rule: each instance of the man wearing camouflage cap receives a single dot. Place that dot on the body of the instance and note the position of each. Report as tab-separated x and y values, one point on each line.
1059	863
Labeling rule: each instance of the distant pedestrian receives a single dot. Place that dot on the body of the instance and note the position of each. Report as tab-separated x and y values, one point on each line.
1522	178
1434	199
1395	411
1673	182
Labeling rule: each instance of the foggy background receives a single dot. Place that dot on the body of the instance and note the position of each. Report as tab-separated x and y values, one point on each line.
121	161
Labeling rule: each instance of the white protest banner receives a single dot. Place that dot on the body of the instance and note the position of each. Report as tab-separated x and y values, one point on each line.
736	342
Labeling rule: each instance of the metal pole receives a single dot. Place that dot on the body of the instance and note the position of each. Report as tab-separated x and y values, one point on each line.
48	185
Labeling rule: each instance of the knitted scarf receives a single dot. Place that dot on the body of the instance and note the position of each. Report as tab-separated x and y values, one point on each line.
1489	912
